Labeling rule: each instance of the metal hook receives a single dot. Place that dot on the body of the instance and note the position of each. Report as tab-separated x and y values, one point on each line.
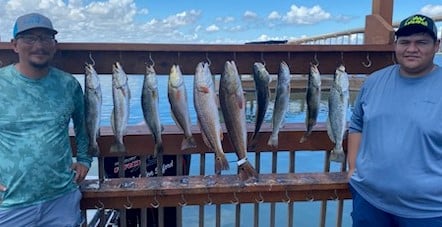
342	58
315	60
262	59
208	59
91	58
309	197
183	201
155	203
287	197
100	205
260	198
235	199
368	64
335	195
209	200
129	204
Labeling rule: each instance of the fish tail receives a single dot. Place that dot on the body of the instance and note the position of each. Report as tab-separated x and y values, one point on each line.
221	163
304	137
253	142
337	155
94	150
159	150
273	141
247	171
187	143
118	147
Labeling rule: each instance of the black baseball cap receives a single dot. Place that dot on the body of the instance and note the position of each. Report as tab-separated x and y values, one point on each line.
415	24
31	21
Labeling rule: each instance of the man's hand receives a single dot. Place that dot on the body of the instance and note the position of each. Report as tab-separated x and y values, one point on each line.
80	172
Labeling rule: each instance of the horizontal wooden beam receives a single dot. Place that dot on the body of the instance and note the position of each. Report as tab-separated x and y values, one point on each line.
171	191
72	56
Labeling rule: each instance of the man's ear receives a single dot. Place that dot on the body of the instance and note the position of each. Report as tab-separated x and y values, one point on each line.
14	45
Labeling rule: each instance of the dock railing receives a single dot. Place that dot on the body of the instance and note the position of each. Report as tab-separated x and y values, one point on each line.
281	184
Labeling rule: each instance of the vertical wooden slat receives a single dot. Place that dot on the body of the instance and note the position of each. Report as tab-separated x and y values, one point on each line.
340	208
179	172
121	174
290	208
218	215
324	202
143	169
202	173
273	205
256	205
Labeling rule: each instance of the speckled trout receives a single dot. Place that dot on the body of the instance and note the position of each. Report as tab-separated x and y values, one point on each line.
176	92
149	105
92	101
281	102
337	113
313	100
208	115
262	92
120	112
232	102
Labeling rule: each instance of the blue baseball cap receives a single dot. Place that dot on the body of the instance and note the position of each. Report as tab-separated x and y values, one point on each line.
416	24
31	21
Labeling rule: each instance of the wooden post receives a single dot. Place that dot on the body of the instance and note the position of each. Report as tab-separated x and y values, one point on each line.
378	25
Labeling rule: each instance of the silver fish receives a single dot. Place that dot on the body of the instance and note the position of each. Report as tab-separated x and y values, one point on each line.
281	102
313	99
232	102
262	92
149	105
176	92
92	101
120	112
205	102
337	113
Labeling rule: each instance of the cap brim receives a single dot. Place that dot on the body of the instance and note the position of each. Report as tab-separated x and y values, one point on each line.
413	29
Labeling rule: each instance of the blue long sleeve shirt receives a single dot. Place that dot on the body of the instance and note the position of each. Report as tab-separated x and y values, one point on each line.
35	150
399	161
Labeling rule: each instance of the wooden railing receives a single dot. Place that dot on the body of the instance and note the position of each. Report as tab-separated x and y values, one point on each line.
273	186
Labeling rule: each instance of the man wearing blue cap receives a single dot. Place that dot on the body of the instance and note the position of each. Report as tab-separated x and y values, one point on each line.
395	135
38	179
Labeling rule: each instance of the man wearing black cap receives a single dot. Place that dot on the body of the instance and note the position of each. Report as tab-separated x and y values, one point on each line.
38	179
395	135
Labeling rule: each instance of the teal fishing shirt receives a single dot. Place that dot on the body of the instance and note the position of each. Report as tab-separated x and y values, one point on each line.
399	162
35	149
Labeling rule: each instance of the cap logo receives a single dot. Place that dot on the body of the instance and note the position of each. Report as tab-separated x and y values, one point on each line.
417	20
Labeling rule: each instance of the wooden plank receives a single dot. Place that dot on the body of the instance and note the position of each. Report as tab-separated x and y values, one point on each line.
219	189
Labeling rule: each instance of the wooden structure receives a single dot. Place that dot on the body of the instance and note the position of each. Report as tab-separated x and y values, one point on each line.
206	188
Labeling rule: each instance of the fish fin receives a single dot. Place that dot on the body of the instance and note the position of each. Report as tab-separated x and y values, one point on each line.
337	155
203	89
304	137
221	135
221	163
93	149
206	141
162	128
330	131
188	143
246	172
98	132
240	101
158	149
112	120
118	147
253	142
273	141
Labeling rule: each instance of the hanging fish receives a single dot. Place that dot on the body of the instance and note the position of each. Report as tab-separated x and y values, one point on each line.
149	105
337	113
92	101
120	112
262	92
232	102
313	100
208	115
281	102
177	95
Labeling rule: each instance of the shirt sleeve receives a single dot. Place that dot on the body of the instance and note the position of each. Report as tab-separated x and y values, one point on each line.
79	121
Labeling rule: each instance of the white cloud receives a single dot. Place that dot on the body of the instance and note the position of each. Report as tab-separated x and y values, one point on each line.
250	15
431	10
274	16
212	28
304	15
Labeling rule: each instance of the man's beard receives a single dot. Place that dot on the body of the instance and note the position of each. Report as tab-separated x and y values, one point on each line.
40	65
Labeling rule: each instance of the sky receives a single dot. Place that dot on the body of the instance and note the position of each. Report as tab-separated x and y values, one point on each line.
205	22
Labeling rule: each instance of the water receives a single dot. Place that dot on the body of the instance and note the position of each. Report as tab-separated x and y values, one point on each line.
306	213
